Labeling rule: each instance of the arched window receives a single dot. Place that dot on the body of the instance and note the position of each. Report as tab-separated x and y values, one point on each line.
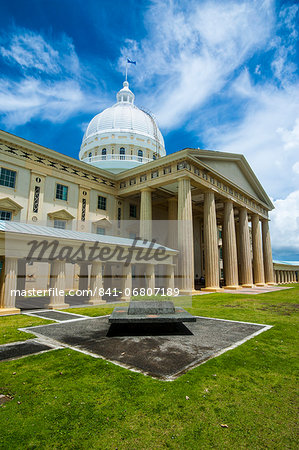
140	155
104	153
122	152
89	155
154	156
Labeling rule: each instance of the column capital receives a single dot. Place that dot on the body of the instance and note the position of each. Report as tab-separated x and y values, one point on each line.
184	177
147	189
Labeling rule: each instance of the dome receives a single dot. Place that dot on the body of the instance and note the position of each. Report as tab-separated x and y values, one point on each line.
122	136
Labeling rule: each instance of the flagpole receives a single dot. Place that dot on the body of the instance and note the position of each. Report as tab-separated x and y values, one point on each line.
126	68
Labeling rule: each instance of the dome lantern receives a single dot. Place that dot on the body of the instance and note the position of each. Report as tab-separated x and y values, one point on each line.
125	95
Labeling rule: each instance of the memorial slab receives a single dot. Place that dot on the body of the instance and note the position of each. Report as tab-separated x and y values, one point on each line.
148	311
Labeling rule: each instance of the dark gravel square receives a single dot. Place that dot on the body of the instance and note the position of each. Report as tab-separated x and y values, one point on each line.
163	351
21	349
55	315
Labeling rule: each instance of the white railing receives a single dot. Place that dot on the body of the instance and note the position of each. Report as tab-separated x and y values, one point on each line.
116	157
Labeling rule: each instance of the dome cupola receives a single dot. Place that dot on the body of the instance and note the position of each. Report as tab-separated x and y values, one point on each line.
122	136
125	95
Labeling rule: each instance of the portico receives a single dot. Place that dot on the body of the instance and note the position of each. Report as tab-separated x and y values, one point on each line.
200	204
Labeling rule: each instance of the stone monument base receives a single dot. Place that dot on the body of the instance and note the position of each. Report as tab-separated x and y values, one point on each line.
148	311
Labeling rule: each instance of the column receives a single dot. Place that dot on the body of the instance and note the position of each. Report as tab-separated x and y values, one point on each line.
126	283
146	214
279	276
237	227
185	236
170	276
197	248
57	285
96	283
229	247
258	263
267	252
172	240
150	277
8	284
211	244
283	276
245	252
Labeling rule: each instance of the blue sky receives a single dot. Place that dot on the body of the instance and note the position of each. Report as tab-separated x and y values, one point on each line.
219	75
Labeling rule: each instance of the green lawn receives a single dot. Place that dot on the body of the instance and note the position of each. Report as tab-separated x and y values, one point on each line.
65	399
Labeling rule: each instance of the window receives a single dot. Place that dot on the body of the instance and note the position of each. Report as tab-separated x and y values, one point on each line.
154	156
61	192
102	202
118	217
36	199
101	230
5	215
8	177
133	211
61	224
140	155
83	211
104	153
122	152
89	156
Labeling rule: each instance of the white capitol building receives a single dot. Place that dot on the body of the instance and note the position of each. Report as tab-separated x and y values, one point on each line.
206	199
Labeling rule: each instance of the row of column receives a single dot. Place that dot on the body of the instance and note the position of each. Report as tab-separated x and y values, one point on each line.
286	276
9	274
255	267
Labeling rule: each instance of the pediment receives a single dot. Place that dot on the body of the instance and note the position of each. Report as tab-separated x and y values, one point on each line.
104	221
62	214
234	168
7	204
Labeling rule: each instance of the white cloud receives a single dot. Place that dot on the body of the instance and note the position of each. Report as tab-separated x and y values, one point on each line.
192	49
285	44
296	167
290	137
31	51
52	86
267	136
32	98
285	225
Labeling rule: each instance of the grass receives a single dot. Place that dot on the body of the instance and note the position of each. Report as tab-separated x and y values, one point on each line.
9	328
67	400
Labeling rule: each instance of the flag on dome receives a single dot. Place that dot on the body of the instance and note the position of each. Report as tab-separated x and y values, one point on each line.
131	62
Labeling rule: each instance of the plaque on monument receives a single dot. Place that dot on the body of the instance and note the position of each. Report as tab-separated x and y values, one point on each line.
150	311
